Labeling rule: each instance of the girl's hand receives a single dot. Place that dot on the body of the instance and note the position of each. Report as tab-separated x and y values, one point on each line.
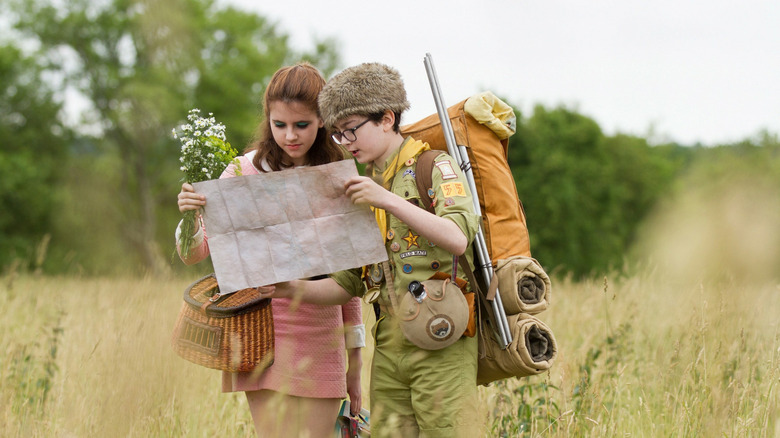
189	200
353	380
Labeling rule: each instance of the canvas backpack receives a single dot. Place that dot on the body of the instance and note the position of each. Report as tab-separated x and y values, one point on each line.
524	286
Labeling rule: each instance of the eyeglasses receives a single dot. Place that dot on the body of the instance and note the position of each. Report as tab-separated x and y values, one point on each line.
349	134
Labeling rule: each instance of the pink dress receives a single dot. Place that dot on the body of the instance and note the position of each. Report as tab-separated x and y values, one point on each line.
310	346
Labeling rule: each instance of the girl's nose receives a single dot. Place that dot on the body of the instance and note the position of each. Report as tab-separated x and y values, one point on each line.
290	134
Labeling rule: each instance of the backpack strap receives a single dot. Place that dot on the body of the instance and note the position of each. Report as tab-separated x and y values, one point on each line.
424	178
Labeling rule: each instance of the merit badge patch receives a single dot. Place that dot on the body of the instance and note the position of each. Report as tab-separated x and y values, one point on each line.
411	239
415	253
440	327
409	172
453	189
446	170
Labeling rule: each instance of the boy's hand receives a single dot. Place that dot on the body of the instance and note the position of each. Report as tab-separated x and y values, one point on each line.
363	190
278	290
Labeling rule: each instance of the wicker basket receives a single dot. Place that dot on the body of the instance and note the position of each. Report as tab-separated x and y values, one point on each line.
232	333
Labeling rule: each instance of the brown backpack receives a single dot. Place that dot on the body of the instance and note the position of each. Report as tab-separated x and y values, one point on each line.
503	217
524	282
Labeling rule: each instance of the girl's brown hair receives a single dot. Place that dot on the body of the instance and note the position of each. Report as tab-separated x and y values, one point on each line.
300	83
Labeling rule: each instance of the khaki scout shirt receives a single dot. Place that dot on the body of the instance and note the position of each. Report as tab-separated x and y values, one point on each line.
412	256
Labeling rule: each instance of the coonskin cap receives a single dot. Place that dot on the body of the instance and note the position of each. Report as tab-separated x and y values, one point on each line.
363	89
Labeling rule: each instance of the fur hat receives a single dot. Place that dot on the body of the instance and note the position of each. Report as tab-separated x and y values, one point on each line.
363	89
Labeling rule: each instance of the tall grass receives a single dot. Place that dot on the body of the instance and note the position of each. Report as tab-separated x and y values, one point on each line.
639	356
687	345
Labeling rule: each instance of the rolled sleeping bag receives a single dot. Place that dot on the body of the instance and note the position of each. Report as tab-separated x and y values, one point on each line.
532	351
523	285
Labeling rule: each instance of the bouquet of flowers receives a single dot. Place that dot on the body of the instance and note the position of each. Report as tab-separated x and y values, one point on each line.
205	153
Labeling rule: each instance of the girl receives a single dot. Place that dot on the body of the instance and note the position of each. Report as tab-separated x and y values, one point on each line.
300	393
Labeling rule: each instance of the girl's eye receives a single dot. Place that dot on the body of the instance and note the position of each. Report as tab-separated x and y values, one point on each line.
302	124
279	124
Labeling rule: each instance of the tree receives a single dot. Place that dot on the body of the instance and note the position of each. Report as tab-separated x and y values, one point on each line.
142	64
31	156
584	193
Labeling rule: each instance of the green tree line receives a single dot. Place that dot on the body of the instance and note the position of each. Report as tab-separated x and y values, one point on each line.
101	199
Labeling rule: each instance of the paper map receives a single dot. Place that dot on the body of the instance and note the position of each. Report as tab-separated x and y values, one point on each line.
285	225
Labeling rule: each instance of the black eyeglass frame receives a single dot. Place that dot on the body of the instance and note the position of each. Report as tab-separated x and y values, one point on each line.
337	136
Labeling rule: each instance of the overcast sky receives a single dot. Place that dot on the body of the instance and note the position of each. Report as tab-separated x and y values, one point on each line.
688	71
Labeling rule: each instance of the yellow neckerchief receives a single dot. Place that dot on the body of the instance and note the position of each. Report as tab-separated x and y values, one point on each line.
409	149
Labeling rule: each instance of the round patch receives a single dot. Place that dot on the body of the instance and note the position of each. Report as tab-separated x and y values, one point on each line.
435	265
407	268
390	234
395	247
376	274
439	327
409	162
431	193
449	201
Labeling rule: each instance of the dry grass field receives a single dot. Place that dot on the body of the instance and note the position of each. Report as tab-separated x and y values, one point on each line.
687	345
639	356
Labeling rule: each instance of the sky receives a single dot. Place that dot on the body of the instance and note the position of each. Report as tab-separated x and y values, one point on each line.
689	71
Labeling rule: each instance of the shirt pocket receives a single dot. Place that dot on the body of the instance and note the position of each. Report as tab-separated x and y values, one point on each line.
406	189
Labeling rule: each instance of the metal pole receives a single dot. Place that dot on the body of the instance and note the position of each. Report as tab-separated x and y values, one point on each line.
461	156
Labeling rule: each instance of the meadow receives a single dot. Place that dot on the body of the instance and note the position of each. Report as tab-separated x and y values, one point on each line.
685	343
639	355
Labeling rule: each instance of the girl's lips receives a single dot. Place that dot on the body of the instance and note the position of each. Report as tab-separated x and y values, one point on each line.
293	146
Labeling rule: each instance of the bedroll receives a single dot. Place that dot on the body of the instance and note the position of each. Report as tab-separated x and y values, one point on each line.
483	124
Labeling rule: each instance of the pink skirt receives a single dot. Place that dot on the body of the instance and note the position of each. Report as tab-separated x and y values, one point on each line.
309	354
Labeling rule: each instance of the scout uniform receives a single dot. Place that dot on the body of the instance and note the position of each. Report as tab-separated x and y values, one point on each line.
416	391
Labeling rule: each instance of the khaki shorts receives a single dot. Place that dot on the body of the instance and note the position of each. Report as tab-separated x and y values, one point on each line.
425	393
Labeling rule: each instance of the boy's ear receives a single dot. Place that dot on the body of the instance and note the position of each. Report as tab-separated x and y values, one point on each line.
388	120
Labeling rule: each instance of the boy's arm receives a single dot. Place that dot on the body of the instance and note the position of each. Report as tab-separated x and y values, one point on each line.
323	292
441	231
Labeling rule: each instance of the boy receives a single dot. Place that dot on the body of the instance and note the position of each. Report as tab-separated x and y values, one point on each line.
414	391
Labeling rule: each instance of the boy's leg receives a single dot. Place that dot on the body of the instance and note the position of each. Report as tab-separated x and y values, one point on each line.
391	407
444	390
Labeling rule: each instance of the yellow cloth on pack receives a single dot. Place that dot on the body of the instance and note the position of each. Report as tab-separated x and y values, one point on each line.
409	149
492	112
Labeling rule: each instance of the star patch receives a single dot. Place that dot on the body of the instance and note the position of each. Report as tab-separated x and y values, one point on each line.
411	239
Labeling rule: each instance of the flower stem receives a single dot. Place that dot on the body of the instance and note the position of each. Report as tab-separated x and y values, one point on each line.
188	230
